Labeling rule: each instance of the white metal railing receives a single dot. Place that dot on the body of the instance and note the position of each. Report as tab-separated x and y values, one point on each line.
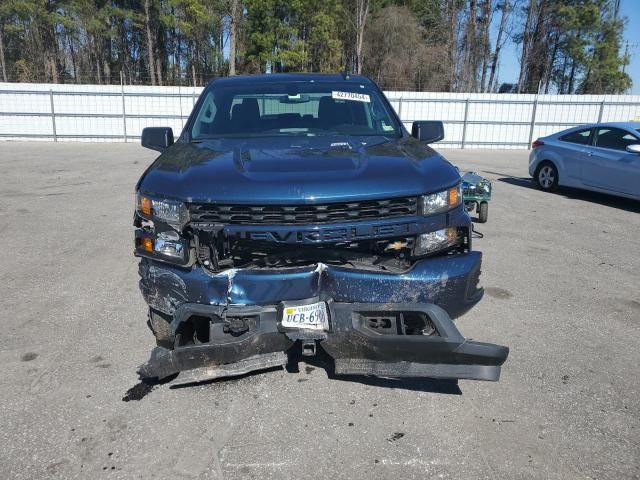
116	113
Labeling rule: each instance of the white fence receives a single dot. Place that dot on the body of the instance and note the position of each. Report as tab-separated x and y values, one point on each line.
114	113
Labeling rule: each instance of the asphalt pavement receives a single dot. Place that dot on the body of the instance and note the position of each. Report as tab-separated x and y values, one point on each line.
562	279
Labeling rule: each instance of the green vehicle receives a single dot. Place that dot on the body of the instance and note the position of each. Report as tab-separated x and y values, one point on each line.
476	193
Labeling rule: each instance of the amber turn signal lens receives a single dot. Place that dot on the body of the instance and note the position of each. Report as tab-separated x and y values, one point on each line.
454	196
144	205
147	244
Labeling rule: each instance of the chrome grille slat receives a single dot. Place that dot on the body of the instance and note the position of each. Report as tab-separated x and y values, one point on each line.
301	214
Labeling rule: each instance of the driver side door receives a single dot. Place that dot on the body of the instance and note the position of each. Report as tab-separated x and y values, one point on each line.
608	165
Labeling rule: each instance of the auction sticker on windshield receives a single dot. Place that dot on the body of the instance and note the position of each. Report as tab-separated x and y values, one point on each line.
353	96
312	316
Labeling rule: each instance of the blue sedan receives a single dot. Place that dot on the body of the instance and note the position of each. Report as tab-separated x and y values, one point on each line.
603	157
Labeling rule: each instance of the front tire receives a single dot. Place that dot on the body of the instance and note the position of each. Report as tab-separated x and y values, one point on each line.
547	177
483	212
160	325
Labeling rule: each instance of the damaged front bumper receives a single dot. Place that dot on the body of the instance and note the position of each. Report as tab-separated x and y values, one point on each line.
356	340
380	323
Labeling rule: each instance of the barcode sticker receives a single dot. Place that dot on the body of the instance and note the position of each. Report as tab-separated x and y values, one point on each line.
353	96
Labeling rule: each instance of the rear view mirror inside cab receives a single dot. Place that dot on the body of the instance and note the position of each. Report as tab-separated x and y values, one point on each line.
298	98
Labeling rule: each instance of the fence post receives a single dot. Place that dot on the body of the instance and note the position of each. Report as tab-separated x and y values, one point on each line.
53	117
464	123
180	103
400	109
600	112
124	111
533	122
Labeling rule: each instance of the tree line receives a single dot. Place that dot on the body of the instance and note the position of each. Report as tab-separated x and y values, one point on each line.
566	46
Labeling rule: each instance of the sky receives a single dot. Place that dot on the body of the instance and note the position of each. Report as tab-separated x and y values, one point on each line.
509	66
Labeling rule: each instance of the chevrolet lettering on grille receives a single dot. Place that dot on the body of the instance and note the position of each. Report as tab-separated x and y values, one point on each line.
328	234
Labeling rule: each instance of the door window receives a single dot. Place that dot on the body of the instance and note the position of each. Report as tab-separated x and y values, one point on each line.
580	137
614	138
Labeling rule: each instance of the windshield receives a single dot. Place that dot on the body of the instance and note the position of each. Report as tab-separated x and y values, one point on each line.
293	108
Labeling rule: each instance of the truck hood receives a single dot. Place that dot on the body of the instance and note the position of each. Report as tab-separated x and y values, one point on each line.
297	170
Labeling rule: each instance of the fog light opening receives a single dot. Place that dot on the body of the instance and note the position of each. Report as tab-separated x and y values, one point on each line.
418	323
194	331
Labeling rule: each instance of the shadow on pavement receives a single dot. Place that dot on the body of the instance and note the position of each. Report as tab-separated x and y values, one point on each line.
576	194
323	361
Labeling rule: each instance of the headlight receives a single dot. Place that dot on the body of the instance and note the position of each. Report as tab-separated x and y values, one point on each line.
165	245
441	201
168	243
168	211
428	243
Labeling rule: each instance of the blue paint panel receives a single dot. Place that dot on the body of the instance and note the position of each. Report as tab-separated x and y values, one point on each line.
449	282
210	172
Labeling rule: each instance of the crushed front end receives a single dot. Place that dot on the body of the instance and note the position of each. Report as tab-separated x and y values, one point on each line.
233	287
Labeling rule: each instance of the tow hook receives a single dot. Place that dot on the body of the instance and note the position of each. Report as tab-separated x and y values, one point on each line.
308	348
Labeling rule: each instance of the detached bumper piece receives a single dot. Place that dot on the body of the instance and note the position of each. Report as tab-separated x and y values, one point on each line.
427	344
386	340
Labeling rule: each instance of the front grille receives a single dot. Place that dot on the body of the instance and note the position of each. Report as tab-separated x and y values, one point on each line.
303	214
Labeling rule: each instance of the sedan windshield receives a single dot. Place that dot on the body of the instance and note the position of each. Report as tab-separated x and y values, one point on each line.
293	108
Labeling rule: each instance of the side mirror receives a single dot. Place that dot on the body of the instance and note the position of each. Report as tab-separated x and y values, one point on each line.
157	138
635	148
430	131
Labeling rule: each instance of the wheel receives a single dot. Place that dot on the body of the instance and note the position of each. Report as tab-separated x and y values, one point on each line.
160	324
483	212
547	177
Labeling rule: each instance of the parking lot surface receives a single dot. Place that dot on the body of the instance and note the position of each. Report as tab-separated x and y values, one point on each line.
562	279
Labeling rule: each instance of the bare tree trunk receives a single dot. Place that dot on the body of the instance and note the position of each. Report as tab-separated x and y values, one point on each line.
362	11
572	76
159	68
2	59
469	62
546	79
74	61
107	53
451	15
496	51
232	38
53	60
526	40
485	8
563	76
150	50
98	71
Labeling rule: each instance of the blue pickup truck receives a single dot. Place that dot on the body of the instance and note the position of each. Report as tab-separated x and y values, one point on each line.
295	213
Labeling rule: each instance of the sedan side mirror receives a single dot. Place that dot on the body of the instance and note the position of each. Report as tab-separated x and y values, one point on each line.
157	138
635	148
430	131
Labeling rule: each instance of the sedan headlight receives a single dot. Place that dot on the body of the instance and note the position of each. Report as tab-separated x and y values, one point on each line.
168	211
441	201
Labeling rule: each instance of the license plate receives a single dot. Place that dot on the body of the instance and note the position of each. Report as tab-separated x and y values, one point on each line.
312	316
